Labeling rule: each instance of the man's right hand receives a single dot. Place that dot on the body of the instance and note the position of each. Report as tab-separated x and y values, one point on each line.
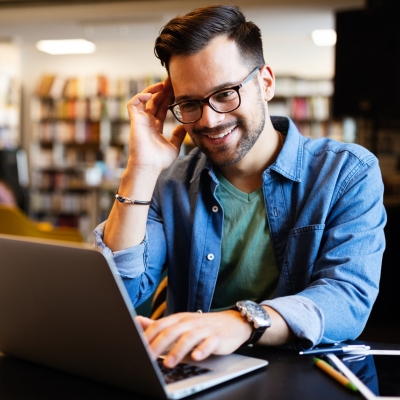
149	150
149	154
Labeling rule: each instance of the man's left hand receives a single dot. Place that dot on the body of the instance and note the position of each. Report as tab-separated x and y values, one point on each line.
199	335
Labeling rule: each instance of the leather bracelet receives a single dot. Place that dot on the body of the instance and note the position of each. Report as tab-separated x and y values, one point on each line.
127	200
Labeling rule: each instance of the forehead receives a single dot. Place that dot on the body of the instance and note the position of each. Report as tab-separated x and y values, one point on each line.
199	74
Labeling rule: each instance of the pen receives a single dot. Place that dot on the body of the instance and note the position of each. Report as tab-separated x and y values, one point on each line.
337	350
334	374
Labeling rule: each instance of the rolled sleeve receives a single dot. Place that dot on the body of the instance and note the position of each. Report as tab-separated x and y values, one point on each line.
345	278
309	328
130	262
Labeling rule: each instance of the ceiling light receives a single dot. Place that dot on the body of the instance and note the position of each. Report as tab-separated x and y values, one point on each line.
70	46
324	37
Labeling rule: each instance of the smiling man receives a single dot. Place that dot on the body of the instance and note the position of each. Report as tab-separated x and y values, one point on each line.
257	220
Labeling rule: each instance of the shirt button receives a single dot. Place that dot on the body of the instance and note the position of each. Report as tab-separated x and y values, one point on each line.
210	257
215	209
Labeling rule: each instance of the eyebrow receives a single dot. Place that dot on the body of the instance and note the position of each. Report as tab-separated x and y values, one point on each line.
225	85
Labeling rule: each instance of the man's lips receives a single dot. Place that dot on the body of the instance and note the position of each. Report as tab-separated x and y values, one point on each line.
220	135
215	134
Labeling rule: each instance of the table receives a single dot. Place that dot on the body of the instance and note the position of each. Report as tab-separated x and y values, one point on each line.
288	376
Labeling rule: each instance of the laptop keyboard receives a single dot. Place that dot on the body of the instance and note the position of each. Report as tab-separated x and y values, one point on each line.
181	371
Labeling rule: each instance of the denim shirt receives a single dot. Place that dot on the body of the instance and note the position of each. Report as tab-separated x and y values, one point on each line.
324	204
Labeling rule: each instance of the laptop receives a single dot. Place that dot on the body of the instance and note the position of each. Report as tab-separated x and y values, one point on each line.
63	306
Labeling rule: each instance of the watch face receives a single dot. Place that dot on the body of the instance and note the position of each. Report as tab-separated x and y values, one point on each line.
258	314
255	310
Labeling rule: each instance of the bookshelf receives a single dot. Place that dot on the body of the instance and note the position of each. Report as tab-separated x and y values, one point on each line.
79	147
80	137
308	103
10	97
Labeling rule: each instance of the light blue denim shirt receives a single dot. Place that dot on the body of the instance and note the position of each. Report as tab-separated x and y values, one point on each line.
324	202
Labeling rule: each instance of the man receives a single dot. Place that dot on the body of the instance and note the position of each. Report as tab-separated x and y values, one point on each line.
256	212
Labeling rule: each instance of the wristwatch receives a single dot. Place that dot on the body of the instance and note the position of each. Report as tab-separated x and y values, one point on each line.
256	315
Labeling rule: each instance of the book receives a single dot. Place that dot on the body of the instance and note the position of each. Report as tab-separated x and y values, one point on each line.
45	84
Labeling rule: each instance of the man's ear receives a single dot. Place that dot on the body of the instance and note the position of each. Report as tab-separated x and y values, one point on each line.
268	82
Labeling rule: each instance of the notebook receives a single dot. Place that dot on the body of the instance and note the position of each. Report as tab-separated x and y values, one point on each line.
63	306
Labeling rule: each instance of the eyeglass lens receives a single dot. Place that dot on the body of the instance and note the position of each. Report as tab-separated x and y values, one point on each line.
224	101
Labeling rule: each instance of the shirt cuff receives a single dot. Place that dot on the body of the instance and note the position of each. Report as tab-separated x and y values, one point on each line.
309	327
130	262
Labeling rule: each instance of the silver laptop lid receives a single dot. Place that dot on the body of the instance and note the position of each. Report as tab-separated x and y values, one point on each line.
61	306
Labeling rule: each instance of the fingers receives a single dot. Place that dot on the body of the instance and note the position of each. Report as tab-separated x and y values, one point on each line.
197	334
200	343
206	348
139	101
178	136
144	321
155	100
160	325
159	103
138	104
183	331
154	88
183	334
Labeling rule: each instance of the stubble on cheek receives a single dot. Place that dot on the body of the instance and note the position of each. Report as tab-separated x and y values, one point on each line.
223	154
248	129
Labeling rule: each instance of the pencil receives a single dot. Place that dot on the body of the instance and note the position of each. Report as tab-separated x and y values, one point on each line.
334	374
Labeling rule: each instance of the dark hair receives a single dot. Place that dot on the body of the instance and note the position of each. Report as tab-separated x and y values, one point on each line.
191	33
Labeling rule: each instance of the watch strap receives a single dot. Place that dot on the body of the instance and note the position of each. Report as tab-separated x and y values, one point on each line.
255	336
257	332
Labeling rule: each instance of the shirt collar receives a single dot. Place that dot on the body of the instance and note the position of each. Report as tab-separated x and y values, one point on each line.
289	159
203	164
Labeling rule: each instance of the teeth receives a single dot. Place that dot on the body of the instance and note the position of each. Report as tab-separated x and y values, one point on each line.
220	135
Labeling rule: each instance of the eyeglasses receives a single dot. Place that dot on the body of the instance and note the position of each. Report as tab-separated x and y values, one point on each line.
221	101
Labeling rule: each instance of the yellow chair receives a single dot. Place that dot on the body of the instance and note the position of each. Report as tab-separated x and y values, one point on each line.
14	222
159	302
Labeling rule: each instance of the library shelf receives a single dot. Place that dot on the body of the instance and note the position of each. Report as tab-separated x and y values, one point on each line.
79	144
80	136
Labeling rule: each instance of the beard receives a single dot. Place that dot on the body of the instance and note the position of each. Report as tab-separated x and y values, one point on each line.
251	129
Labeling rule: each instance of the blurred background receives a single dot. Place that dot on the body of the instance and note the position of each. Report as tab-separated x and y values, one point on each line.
63	120
68	111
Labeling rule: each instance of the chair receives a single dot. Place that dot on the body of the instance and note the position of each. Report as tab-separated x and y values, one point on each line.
159	302
14	222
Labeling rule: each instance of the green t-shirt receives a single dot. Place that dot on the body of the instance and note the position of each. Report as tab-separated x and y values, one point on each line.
248	269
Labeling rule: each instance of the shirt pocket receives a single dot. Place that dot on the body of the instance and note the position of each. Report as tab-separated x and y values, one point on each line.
300	256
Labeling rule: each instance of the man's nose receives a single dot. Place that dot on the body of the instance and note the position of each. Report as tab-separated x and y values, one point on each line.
210	117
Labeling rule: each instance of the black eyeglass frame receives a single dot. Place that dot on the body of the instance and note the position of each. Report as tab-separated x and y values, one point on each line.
207	99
